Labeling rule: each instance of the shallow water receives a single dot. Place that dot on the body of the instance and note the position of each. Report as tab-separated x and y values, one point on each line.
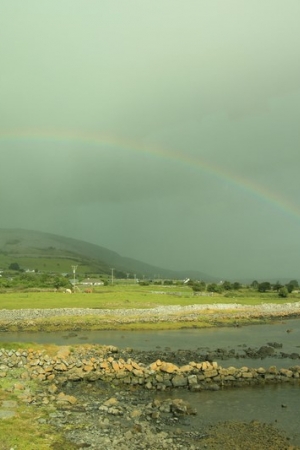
274	404
253	335
186	339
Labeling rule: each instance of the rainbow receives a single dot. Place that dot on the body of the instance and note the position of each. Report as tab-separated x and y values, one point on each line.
100	141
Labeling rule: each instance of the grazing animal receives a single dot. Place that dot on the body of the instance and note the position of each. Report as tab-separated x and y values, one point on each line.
68	291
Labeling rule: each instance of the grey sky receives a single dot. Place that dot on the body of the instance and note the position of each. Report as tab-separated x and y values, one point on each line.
197	106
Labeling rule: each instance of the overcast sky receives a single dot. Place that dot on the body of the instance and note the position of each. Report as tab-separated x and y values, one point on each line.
166	130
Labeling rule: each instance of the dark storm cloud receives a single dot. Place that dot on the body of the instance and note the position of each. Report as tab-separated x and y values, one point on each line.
72	177
208	93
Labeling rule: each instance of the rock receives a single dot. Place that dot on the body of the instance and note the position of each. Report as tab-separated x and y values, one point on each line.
265	351
52	389
7	414
213	387
272	370
275	344
247	375
168	367
111	402
195	388
181	407
192	380
63	398
286	373
179	380
210	373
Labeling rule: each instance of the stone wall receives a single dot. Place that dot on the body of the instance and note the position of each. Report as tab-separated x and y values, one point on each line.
107	364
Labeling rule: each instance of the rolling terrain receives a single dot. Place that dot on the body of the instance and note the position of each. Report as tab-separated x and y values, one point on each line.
35	250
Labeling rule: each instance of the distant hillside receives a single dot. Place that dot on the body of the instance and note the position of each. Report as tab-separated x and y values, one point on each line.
44	251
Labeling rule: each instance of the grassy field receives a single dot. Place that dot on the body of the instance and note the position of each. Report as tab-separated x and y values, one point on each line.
49	260
45	264
132	296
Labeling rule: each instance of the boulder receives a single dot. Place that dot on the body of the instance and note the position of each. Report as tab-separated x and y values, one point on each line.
179	380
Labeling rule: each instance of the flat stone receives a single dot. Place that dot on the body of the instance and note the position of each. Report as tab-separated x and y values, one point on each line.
6	414
179	380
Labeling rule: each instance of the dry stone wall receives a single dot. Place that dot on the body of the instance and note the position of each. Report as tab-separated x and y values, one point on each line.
106	364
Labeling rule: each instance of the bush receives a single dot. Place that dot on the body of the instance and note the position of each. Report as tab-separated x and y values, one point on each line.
213	287
197	286
283	292
14	266
264	286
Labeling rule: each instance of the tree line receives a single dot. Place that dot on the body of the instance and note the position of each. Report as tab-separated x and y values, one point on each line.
283	290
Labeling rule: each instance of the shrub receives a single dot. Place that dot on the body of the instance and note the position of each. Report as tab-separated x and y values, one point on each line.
283	292
14	266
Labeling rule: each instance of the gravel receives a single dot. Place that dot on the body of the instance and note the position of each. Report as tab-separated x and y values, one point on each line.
190	310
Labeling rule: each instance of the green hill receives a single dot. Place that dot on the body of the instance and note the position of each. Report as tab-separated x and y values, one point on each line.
40	251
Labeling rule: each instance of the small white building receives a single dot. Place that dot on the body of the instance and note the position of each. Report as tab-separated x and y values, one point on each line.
92	282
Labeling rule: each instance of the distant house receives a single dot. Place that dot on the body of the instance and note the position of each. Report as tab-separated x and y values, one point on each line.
92	282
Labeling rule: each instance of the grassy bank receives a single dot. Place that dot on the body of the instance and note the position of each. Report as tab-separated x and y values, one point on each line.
89	323
133	296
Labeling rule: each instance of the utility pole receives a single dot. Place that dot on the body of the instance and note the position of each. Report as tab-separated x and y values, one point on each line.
112	275
74	275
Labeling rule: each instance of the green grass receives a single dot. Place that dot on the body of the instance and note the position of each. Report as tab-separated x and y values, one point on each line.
48	263
132	296
24	431
129	297
18	346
